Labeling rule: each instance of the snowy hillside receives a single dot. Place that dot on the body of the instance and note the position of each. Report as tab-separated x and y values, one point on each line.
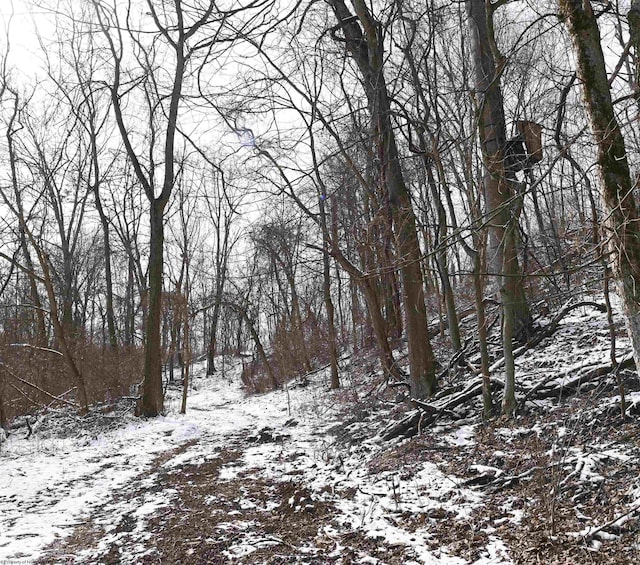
303	475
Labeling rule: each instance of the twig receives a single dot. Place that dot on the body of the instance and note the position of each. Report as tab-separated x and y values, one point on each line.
29	346
23	381
23	393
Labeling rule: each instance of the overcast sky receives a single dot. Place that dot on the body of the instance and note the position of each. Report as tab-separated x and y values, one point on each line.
25	52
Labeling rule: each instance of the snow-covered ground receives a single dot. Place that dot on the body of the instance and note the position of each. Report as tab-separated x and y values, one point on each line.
51	485
302	475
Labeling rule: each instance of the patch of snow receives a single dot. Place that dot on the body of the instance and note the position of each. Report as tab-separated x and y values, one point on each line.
463	436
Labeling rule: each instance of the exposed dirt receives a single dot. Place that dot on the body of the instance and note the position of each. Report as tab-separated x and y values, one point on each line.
208	515
288	522
554	494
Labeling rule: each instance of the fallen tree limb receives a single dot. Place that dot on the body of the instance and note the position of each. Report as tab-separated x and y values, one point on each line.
428	412
550	328
35	387
494	481
596	532
403	427
36	348
559	388
447	400
440	326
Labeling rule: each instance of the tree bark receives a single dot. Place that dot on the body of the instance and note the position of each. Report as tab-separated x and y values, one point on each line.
499	192
213	338
176	37
326	288
152	397
633	18
616	191
442	262
186	339
104	222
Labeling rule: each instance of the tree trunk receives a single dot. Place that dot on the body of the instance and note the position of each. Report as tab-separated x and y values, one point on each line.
616	193
422	362
152	397
222	261
275	384
502	209
59	330
104	221
441	260
129	322
41	328
213	339
186	338
633	17
185	367
487	403
328	302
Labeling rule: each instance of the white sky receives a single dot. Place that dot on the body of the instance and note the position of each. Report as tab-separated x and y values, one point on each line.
22	19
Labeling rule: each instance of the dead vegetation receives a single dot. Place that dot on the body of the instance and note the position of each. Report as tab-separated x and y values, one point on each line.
36	380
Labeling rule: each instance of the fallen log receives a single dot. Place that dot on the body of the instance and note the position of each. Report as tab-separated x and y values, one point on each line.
447	400
436	328
549	329
559	389
407	426
494	481
428	412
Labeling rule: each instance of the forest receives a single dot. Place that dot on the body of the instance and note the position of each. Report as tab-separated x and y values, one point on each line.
403	223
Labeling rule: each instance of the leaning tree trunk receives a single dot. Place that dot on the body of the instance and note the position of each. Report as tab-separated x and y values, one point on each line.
616	191
59	328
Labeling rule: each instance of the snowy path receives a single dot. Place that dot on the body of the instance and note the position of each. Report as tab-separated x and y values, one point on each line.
47	486
236	480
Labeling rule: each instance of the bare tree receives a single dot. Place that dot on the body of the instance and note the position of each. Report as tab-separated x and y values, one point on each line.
176	28
222	210
363	37
12	127
502	202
